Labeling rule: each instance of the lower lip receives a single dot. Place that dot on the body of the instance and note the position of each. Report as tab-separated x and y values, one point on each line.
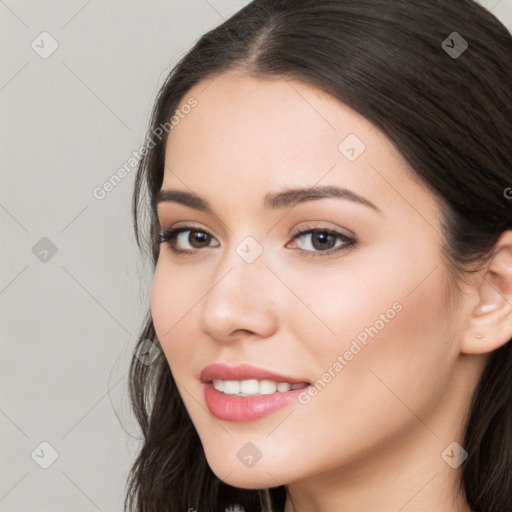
246	408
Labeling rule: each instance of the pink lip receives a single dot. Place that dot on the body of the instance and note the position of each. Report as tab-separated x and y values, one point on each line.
242	372
248	408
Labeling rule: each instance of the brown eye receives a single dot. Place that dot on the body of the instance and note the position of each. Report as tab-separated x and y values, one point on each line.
322	240
185	239
198	239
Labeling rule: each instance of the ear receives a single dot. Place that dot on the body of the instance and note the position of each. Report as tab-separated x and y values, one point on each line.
490	325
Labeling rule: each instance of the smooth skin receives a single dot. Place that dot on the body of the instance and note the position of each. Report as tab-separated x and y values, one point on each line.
372	438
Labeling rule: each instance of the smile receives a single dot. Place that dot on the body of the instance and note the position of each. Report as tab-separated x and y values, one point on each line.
254	387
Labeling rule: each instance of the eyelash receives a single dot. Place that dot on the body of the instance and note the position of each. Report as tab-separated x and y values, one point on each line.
169	236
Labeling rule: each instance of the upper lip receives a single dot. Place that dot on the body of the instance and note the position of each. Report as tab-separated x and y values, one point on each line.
242	372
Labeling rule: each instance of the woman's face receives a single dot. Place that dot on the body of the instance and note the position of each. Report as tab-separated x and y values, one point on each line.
360	313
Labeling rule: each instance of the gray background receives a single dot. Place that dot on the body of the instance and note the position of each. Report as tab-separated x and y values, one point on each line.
70	318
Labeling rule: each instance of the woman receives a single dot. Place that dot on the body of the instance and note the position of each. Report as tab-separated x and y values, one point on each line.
331	233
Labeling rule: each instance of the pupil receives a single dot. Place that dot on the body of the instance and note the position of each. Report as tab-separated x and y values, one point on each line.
324	240
197	237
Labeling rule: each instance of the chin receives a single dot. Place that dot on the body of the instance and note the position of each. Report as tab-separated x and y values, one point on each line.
243	477
250	481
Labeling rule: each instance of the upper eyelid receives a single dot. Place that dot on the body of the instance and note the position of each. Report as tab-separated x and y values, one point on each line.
308	229
190	224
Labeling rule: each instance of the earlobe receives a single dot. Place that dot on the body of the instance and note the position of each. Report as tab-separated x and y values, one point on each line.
490	325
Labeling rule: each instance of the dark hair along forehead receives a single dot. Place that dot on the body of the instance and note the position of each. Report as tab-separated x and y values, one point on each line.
436	77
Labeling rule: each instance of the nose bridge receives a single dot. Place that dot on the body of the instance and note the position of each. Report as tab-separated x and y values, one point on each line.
240	295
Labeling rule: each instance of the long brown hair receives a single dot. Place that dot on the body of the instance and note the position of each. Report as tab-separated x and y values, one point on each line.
447	108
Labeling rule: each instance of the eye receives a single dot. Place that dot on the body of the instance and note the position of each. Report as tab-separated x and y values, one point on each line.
322	241
181	236
317	241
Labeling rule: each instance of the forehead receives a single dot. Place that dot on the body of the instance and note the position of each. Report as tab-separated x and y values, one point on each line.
257	135
270	123
271	112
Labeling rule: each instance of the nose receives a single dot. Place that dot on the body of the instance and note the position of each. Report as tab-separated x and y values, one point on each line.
241	300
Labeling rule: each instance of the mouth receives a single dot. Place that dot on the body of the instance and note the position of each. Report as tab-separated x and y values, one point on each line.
254	387
247	393
248	379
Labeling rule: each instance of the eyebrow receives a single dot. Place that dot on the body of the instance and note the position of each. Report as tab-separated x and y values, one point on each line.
274	200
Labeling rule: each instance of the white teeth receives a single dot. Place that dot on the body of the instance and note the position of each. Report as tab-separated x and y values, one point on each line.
231	387
267	387
249	387
252	387
283	386
218	384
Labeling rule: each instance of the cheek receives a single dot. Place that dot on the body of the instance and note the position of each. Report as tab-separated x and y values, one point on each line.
337	302
381	330
386	382
163	301
408	364
173	297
